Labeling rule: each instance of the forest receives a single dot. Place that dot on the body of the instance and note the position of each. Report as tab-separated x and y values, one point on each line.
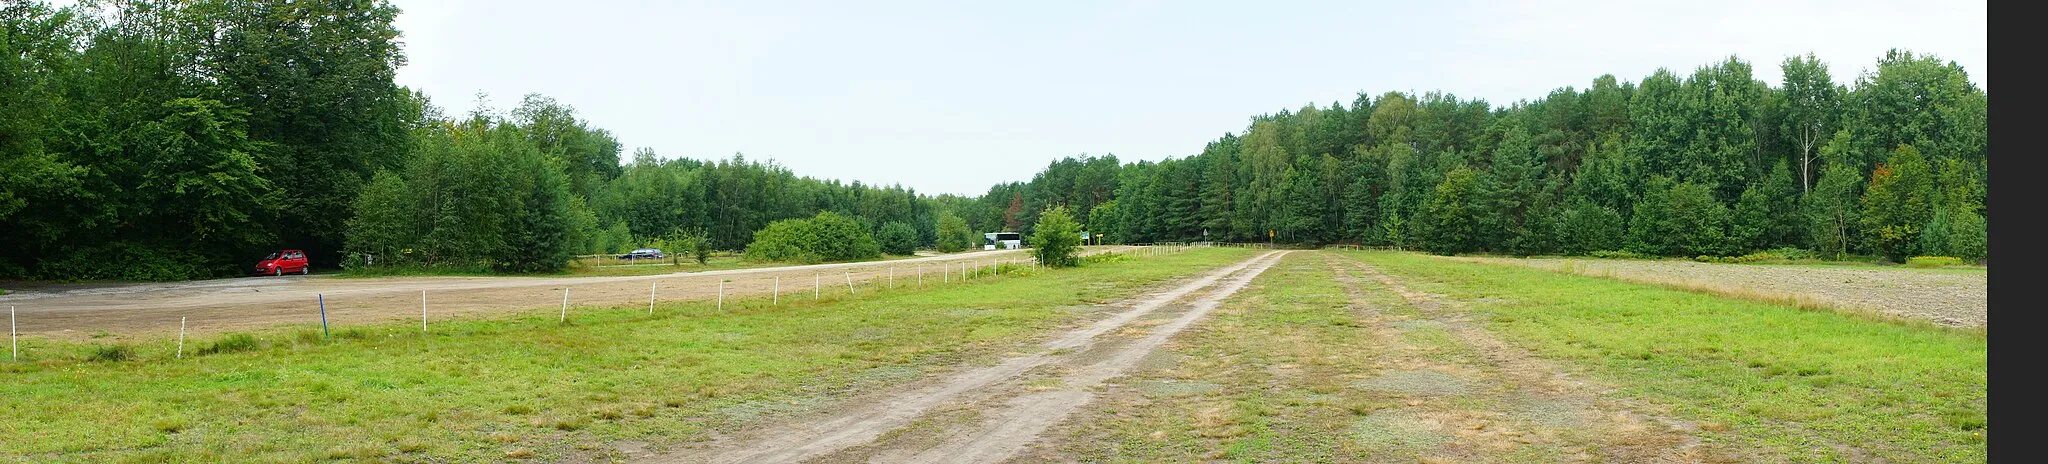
178	139
1714	163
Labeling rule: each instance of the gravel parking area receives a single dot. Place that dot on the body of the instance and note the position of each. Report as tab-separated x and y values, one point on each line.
1957	298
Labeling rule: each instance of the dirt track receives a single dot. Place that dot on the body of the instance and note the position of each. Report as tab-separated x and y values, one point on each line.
1011	413
220	305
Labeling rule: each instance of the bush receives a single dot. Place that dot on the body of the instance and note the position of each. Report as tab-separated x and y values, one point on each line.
1933	261
1776	255
132	262
231	343
1056	238
1616	254
1111	257
825	237
953	233
898	238
1790	254
111	353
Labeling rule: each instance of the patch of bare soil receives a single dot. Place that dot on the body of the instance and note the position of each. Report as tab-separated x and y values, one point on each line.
988	413
75	312
1953	299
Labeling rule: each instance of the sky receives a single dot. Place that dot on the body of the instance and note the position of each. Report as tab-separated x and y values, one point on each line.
954	97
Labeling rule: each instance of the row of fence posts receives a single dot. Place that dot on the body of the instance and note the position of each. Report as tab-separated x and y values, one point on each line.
968	269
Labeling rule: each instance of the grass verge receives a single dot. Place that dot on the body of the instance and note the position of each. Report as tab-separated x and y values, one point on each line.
1806	386
529	387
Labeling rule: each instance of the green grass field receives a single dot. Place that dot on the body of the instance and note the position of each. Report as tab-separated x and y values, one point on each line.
1791	383
1291	369
528	386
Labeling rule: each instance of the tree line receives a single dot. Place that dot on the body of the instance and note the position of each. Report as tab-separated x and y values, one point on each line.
172	139
1713	163
175	139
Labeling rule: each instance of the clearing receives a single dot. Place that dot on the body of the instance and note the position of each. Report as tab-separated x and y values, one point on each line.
1949	297
1214	354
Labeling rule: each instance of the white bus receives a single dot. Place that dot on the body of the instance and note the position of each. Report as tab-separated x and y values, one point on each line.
1003	240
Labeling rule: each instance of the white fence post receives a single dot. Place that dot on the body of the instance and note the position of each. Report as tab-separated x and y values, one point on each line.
13	334
650	297
849	282
181	337
721	294
423	311
817	285
777	299
565	304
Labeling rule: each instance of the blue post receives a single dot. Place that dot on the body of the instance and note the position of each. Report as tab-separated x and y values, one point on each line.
323	315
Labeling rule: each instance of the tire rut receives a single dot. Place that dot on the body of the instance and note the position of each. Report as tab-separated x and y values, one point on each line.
1625	431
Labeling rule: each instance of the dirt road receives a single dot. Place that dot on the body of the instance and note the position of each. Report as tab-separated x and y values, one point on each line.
1955	299
1012	401
221	305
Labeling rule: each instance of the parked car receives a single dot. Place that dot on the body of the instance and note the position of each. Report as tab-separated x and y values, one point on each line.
643	253
284	261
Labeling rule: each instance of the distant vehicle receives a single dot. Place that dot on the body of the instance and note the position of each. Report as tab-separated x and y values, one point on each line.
284	261
643	253
1002	240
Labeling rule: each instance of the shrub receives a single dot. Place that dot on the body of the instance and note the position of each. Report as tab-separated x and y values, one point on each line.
1056	238
681	242
953	233
1790	254
826	237
1933	261
111	353
898	238
1111	257
230	344
1616	254
136	262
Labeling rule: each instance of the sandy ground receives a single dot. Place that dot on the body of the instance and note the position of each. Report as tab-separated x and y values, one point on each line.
212	306
1954	299
1013	401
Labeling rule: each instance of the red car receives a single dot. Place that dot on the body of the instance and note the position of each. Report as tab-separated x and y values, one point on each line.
284	261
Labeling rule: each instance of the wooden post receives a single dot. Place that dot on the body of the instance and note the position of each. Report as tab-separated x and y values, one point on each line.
892	277
423	311
181	337
849	282
817	285
777	299
650	297
565	304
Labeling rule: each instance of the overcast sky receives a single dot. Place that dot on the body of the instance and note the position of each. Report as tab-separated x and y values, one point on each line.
952	97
